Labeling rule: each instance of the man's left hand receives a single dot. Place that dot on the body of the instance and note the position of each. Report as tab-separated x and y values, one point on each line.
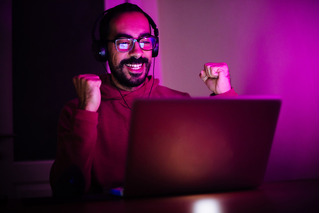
216	77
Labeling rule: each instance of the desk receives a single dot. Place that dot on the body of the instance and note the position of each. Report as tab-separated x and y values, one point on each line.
288	196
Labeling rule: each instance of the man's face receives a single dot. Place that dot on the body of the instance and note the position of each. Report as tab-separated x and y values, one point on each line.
131	68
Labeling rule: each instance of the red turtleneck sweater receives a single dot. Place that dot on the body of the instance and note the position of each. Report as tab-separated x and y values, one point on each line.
95	142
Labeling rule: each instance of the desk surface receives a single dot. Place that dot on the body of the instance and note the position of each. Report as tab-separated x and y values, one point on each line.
288	196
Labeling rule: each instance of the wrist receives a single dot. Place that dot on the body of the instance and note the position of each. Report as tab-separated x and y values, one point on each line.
88	107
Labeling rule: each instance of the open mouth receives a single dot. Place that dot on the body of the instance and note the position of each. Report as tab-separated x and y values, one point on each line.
135	67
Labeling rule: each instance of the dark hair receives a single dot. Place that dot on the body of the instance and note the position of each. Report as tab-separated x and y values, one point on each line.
109	15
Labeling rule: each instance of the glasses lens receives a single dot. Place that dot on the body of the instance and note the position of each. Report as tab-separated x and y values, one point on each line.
123	44
147	43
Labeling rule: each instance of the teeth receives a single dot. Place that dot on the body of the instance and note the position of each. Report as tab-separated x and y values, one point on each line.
134	66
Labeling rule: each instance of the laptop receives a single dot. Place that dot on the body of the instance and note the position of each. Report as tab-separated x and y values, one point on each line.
198	145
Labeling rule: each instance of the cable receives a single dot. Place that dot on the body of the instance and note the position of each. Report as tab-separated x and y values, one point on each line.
154	62
105	68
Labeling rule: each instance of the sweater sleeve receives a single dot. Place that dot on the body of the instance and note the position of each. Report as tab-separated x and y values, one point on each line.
230	93
77	134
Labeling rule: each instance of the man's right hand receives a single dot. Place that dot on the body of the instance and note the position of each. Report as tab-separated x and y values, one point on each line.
88	90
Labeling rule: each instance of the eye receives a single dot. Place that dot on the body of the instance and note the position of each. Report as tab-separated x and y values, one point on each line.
123	43
145	41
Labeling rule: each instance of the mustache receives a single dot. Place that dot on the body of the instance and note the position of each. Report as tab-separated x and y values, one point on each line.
133	60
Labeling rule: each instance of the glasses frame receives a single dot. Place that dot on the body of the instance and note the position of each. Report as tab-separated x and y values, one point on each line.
134	41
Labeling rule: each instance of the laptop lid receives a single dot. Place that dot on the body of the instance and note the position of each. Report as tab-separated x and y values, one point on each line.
200	145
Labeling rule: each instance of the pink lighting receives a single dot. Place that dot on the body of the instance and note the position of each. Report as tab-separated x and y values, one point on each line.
271	48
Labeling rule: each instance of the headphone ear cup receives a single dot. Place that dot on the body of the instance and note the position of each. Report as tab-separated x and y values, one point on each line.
99	51
155	51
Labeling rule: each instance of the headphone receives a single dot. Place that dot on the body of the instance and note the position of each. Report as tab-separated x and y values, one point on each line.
99	47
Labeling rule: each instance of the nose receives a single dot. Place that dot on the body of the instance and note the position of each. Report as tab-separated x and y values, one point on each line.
136	50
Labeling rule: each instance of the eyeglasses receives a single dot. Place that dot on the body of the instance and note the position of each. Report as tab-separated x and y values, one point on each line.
127	44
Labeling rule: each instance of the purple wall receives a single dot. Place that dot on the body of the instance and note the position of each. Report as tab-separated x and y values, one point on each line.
271	47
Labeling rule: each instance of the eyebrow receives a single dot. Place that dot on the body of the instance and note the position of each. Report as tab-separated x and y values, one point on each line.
124	35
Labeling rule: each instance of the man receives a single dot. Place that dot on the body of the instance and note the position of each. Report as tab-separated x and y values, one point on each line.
93	129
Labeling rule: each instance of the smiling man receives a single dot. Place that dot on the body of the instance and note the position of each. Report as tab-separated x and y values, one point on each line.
129	47
93	129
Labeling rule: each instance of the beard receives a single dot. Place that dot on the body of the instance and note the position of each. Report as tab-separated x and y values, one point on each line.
136	79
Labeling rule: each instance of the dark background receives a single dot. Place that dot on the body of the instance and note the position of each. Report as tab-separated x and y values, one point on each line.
51	44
